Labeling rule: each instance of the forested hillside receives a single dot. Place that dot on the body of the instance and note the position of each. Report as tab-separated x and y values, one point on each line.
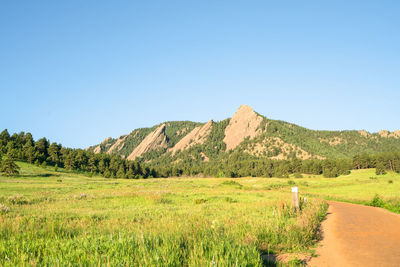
23	147
247	135
248	144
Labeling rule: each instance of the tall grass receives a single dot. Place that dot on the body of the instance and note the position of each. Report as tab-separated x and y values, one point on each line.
167	222
194	241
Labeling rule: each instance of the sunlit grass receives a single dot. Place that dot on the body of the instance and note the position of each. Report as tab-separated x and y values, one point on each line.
61	218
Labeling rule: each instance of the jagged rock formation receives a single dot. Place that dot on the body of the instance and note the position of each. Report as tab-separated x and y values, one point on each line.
244	123
156	139
97	149
387	134
246	133
119	144
364	133
100	147
197	136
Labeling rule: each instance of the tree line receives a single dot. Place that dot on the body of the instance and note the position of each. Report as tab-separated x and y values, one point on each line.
383	162
241	165
244	166
23	147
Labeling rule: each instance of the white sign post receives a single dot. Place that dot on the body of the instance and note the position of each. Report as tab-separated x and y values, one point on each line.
295	197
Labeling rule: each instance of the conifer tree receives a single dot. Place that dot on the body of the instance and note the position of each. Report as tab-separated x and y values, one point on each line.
54	153
8	166
121	172
4	139
380	168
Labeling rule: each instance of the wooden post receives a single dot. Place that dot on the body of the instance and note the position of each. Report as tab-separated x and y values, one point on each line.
295	197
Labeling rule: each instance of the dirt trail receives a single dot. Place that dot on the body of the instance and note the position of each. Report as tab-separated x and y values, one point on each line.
355	235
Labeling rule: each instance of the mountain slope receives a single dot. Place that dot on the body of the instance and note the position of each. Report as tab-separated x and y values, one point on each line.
246	134
155	140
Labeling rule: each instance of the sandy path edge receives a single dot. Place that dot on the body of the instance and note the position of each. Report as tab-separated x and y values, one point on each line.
358	235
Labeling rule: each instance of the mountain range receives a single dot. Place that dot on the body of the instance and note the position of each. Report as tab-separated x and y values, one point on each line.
246	133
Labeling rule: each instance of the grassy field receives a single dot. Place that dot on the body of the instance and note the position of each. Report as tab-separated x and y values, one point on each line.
60	218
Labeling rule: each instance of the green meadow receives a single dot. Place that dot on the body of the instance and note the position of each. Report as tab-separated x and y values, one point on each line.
61	218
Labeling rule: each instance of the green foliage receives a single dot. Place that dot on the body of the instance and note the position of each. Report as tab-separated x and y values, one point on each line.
377	201
22	147
176	130
200	201
343	150
232	183
8	166
168	222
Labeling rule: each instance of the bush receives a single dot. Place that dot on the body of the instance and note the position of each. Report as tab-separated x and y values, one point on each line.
17	200
200	201
230	200
376	202
220	174
380	169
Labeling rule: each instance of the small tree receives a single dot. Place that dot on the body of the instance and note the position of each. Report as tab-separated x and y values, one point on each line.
121	172
9	167
380	168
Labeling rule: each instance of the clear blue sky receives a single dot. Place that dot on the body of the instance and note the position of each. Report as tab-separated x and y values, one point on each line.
79	71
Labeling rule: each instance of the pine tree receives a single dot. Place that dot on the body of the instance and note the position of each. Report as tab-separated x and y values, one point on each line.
107	173
92	164
121	172
54	153
41	148
380	168
4	139
130	174
8	166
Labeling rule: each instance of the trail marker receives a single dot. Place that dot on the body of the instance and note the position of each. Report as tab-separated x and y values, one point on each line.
295	197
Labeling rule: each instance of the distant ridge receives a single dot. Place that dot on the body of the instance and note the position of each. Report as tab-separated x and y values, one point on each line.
246	133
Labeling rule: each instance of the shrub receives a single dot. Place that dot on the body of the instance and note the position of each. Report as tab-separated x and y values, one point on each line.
220	174
376	201
164	200
200	201
230	200
17	200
